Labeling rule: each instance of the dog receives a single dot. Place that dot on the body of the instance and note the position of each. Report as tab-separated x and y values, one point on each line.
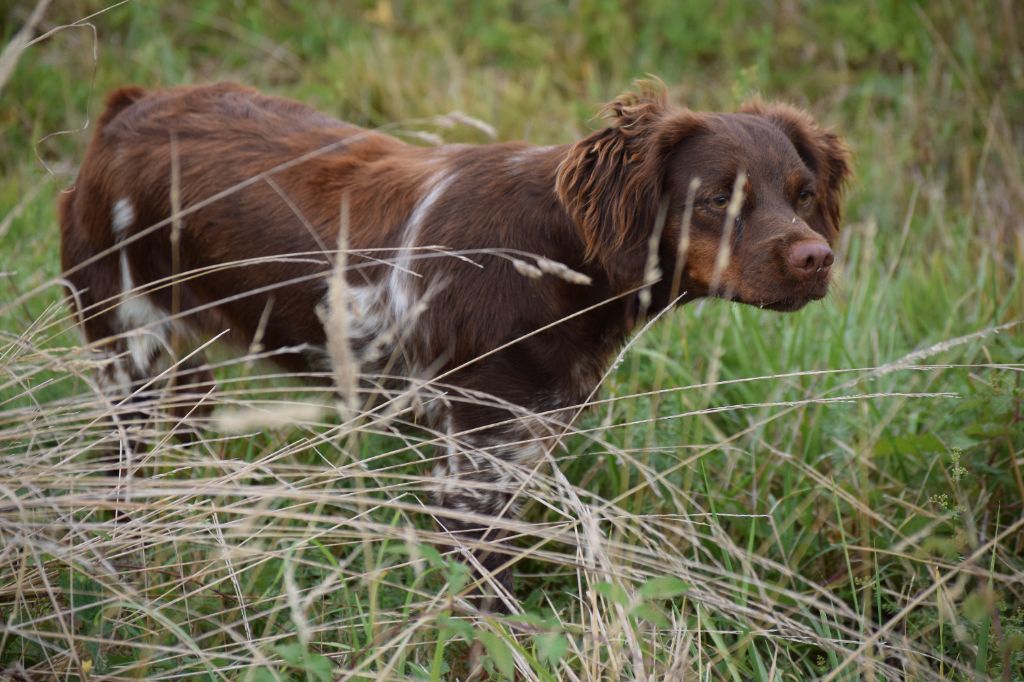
506	276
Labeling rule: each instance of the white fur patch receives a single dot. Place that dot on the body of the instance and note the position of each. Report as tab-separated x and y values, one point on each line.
122	216
364	311
400	286
144	323
370	326
518	161
115	380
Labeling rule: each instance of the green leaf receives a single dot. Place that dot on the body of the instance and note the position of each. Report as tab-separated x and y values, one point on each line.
651	614
458	576
534	619
417	671
81	591
988	429
457	626
664	588
320	666
500	653
432	556
551	647
614	593
910	445
291	653
296	656
264	675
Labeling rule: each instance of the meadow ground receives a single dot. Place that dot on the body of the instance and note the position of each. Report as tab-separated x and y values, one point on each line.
834	494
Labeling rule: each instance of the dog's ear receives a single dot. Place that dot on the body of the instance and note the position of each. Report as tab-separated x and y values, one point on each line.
612	182
823	151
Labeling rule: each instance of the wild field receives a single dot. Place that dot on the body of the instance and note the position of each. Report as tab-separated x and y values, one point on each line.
834	494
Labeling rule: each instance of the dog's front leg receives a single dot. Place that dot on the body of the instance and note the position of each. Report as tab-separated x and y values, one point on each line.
481	475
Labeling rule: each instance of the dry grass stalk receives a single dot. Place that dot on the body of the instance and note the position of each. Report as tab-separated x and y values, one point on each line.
336	325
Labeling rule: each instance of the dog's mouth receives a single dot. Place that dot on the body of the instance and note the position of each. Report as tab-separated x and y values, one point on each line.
795	295
796	302
786	304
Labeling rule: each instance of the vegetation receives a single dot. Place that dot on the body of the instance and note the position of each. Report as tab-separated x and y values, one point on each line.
833	494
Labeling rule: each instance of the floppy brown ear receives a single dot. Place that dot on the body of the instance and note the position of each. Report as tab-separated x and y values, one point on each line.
823	151
612	182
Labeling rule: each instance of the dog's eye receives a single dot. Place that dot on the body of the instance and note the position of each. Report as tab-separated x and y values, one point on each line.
805	198
720	201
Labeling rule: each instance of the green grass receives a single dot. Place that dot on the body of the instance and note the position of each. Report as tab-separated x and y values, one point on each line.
834	494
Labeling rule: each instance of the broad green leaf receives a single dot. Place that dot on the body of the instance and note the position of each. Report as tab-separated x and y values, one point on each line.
432	556
296	656
551	647
651	614
320	666
665	587
500	653
457	626
615	593
290	653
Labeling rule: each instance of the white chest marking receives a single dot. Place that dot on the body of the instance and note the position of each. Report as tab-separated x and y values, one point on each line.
143	323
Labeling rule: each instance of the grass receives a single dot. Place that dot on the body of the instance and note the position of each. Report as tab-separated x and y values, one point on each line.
834	494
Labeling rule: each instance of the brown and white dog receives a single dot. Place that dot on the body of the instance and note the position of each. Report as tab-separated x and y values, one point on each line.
511	273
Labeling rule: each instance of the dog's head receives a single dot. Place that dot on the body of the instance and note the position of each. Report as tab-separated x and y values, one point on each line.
749	203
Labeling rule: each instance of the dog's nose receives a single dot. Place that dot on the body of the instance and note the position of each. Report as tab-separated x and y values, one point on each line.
809	257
